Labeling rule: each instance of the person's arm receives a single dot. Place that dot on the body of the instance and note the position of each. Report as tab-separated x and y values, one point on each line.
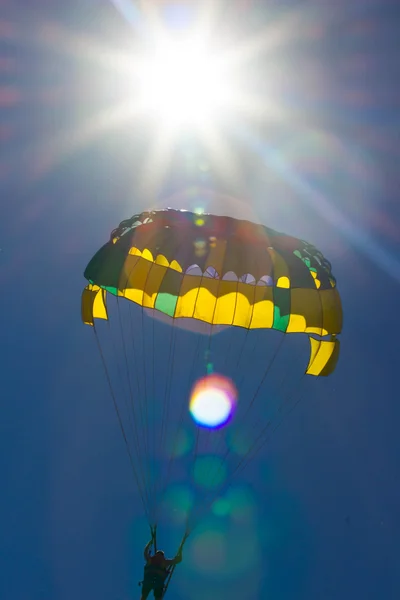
174	561
146	552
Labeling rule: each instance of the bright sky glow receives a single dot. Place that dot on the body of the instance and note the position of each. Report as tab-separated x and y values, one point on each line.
184	84
196	80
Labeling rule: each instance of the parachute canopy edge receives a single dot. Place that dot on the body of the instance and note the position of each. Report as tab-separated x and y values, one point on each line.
324	355
93	305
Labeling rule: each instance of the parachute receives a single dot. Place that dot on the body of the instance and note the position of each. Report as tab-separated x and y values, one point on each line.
181	288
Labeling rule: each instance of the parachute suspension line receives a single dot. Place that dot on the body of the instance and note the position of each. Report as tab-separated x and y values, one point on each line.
264	377
263	439
236	370
170	363
181	414
107	374
153	409
208	370
210	497
251	452
193	465
242	347
252	353
146	433
208	354
217	437
136	404
144	403
208	434
207	445
154	536
167	398
266	433
180	421
226	361
171	572
208	350
272	361
142	399
153	429
140	469
134	427
135	362
144	355
169	383
250	405
206	437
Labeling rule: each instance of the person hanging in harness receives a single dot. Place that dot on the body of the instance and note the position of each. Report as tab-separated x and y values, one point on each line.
156	571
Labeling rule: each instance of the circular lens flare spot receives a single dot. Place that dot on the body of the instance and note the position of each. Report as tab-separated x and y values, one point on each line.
177	502
209	472
210	551
212	401
221	507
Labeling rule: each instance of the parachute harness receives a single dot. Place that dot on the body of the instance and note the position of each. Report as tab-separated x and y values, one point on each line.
170	570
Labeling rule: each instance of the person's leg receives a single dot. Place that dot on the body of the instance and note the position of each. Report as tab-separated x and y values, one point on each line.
158	592
146	589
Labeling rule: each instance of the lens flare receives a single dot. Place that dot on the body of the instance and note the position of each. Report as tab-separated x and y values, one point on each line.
209	472
212	401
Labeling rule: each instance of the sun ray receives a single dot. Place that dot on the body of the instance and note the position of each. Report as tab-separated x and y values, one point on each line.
48	153
175	82
157	163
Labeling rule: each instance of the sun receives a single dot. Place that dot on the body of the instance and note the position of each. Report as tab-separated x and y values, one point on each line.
172	88
183	83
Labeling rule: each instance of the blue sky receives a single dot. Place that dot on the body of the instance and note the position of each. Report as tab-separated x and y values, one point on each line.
315	515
